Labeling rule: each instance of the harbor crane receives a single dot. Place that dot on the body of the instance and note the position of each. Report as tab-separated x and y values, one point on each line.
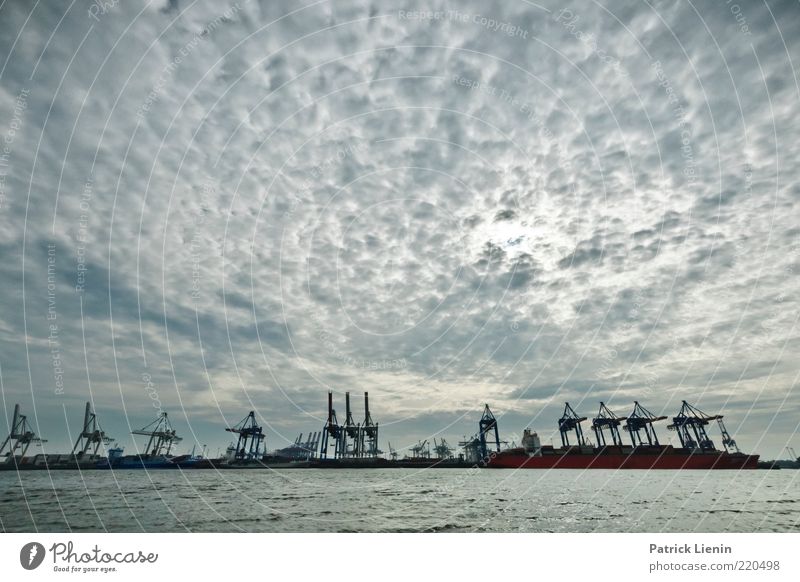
640	420
301	450
162	436
311	444
442	449
368	444
352	431
251	437
421	450
690	424
91	435
488	424
334	430
727	440
607	421
20	438
392	452
570	421
472	449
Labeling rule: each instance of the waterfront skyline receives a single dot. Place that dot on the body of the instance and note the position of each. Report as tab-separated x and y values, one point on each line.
215	208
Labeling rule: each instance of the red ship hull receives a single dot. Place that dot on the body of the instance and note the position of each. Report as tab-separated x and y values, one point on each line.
664	457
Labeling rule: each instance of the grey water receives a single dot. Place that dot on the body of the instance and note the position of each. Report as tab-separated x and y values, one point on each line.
400	500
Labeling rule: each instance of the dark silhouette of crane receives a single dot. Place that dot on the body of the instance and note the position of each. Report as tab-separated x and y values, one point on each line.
251	437
352	431
488	425
91	435
570	421
690	424
20	438
368	445
442	450
162	436
607	421
641	420
333	430
421	450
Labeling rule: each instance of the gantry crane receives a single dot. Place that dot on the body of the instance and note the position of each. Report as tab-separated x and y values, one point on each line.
251	437
488	425
607	420
368	442
421	450
333	430
472	449
639	420
570	421
690	424
727	440
392	452
301	450
20	438
311	444
442	449
91	434
352	431
162	436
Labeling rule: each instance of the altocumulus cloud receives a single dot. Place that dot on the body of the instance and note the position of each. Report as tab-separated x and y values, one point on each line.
234	206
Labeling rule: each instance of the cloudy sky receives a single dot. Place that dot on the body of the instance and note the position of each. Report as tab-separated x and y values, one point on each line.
223	206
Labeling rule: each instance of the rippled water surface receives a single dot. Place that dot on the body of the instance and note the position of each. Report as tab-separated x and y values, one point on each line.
405	500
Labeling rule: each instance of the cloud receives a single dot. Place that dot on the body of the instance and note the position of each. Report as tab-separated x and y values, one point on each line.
256	202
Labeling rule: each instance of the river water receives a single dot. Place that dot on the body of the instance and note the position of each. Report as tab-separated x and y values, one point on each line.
400	500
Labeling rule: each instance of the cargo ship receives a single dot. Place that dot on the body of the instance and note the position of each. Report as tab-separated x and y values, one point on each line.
697	450
625	457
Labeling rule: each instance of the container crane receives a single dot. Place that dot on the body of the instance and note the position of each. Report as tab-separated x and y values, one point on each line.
251	437
727	440
91	435
442	449
488	424
690	424
570	421
640	420
20	438
311	444
301	450
162	436
472	449
368	445
334	430
352	431
421	450
607	420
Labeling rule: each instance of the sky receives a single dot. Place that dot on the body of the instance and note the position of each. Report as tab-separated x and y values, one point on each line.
208	208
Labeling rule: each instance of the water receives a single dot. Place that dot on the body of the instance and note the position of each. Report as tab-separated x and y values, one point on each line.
401	500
